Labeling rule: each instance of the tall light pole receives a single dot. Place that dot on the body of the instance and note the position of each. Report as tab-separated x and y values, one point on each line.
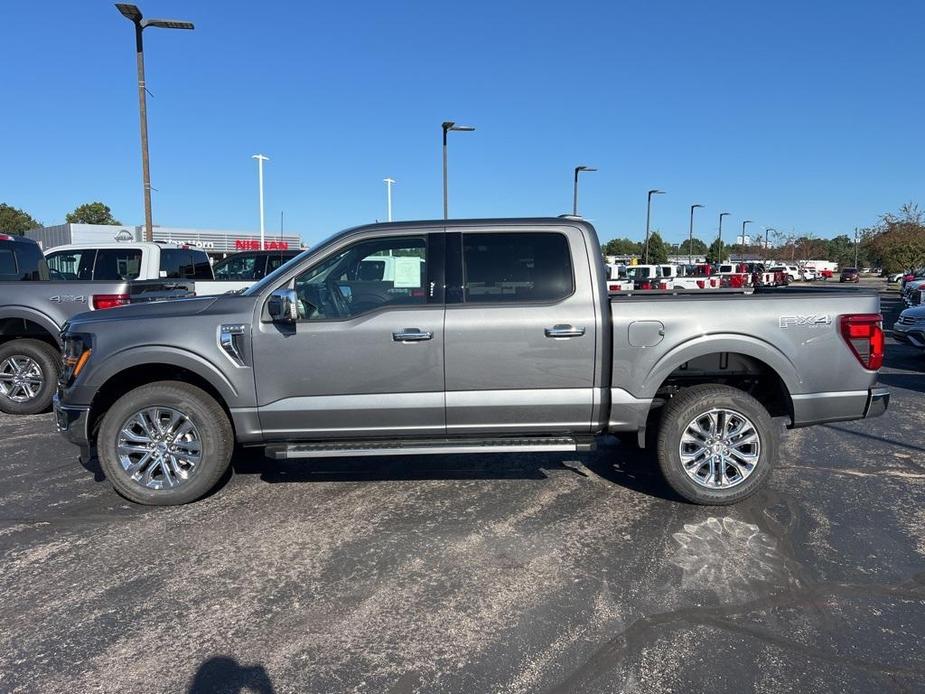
856	249
260	159
747	221
767	245
648	216
720	249
578	170
133	14
447	127
690	237
388	194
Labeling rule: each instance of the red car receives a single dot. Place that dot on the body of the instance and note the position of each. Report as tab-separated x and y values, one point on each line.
850	274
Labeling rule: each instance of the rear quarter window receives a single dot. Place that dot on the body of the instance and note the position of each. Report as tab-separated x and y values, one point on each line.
8	264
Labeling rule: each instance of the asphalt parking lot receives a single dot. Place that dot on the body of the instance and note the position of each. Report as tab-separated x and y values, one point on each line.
514	573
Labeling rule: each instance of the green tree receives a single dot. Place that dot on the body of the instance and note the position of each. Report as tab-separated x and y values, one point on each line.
841	250
91	213
897	242
15	221
622	247
717	251
697	247
658	249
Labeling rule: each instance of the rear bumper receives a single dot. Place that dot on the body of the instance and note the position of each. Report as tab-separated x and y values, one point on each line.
73	423
877	402
839	406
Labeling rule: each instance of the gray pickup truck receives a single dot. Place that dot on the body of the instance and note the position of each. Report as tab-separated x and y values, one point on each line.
34	305
474	336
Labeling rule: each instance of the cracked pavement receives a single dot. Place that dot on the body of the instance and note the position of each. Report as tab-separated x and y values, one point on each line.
502	573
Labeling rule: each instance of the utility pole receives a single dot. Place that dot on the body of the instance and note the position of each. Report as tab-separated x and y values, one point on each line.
260	159
856	248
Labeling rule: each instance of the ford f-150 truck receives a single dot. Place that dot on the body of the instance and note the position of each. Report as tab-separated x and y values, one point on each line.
486	336
34	304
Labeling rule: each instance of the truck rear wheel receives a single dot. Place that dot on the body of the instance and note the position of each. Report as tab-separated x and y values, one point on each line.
716	444
29	371
165	443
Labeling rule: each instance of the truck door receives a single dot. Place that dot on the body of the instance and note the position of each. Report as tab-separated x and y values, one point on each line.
520	331
365	357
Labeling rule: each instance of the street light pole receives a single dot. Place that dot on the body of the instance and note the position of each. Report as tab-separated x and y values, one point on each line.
855	248
648	217
447	127
133	14
388	186
260	159
767	245
747	221
720	249
578	170
690	237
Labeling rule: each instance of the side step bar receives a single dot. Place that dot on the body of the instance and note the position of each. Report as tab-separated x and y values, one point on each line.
351	449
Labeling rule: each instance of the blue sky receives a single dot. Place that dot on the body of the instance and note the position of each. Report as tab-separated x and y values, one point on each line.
798	115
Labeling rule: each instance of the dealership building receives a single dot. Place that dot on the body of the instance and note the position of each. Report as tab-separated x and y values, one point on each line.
217	243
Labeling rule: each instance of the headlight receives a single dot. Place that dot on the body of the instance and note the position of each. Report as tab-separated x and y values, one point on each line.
76	353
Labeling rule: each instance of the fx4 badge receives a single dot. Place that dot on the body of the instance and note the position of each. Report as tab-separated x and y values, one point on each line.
803	321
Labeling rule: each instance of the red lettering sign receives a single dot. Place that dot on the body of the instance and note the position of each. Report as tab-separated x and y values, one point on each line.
254	245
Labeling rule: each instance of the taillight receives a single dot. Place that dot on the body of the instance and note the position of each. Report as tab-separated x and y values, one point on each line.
864	335
646	285
101	301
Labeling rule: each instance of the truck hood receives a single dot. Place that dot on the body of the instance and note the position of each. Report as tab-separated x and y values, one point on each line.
154	309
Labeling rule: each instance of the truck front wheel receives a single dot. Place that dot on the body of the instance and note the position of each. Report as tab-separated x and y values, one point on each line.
165	443
716	444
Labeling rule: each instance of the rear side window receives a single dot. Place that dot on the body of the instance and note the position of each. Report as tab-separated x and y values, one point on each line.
516	267
8	265
238	267
74	264
185	264
117	264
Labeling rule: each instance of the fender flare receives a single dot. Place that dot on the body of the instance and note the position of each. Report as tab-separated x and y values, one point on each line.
159	355
703	345
30	314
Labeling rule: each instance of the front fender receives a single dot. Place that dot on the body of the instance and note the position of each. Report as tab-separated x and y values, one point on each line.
159	355
722	342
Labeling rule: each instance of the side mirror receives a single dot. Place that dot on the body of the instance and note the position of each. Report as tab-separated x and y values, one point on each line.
283	306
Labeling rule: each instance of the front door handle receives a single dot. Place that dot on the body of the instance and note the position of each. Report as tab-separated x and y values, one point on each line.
564	330
412	335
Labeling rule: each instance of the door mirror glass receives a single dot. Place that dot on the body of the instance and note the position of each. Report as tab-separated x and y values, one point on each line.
283	306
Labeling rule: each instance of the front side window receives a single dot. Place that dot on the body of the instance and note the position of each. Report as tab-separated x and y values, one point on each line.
117	264
639	272
369	275
74	264
516	267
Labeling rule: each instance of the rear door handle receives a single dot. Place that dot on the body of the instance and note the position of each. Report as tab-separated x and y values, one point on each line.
412	335
564	330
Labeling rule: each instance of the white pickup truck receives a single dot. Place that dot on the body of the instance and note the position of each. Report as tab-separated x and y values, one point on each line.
151	261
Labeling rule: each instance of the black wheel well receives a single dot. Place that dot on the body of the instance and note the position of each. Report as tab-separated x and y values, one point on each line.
15	328
143	374
740	371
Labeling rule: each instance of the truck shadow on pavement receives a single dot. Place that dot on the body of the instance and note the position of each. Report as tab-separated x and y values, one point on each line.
611	463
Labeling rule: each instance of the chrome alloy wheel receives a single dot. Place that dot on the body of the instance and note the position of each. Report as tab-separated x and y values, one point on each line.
21	378
720	449
159	447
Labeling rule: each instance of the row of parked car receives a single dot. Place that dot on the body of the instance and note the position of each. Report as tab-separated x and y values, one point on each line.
910	326
714	276
68	280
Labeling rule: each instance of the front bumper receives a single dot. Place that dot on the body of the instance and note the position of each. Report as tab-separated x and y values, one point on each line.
910	334
73	423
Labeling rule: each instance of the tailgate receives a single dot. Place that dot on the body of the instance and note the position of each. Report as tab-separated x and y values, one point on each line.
142	291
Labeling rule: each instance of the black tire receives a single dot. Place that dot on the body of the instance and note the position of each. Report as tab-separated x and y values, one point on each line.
699	400
48	360
215	436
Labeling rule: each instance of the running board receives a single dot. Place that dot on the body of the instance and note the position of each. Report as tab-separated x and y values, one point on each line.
351	449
